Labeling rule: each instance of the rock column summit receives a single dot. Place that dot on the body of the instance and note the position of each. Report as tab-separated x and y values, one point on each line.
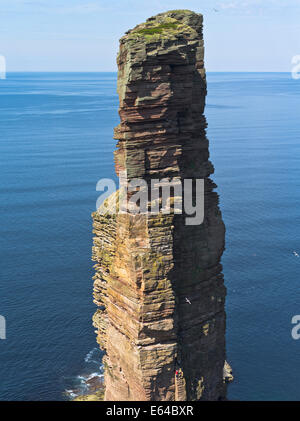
158	285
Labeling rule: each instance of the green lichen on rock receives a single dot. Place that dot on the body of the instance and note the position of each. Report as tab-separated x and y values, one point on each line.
164	26
98	396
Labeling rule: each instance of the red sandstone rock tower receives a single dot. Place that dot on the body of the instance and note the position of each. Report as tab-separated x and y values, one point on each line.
158	282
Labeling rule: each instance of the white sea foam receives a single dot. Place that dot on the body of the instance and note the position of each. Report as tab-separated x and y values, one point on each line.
90	356
90	377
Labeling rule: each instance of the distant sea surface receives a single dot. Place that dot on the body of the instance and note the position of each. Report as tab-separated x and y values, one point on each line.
56	143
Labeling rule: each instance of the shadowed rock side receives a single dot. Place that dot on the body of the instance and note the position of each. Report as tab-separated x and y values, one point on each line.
158	281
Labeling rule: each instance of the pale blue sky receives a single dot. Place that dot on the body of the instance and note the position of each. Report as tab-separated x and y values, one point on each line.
78	35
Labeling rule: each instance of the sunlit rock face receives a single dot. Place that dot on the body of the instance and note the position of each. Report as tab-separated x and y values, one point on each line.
158	283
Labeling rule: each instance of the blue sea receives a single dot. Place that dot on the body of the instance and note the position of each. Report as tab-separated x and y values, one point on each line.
55	144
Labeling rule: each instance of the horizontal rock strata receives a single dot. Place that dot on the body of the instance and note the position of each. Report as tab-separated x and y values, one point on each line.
158	285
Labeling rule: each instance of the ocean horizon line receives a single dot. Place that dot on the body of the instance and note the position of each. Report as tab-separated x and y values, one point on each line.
115	72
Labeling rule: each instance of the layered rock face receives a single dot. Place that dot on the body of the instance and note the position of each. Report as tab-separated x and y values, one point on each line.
158	283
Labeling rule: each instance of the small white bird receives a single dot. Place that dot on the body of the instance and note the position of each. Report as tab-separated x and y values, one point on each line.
188	301
296	254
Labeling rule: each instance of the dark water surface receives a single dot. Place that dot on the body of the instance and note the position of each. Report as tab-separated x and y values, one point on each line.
56	143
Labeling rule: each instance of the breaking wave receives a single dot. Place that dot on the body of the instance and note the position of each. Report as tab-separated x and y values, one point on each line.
91	378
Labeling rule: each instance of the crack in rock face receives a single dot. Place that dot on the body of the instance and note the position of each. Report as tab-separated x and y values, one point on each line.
158	284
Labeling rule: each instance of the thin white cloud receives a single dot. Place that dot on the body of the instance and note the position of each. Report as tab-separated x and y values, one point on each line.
231	5
56	6
235	4
252	4
82	8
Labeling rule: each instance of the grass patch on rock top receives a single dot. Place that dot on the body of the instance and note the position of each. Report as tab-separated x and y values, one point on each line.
159	29
164	27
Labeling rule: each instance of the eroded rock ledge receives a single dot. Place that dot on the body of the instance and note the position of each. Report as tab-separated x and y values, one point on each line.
158	285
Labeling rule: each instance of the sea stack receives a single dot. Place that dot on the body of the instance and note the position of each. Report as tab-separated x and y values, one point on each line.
158	285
